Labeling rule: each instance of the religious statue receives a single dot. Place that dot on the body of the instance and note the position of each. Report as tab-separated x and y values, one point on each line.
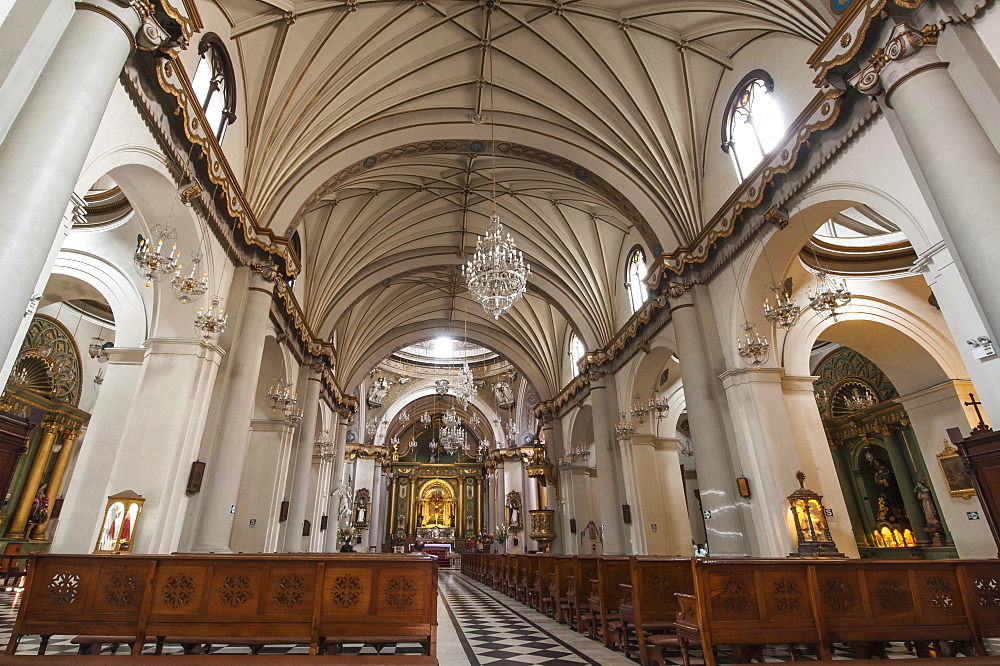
890	501
40	506
504	394
927	505
378	391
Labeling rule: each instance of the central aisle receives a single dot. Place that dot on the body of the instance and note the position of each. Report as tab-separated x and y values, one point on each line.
477	625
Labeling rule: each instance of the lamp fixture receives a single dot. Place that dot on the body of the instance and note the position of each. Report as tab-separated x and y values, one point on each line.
280	396
464	386
624	429
785	311
753	347
189	288
497	274
211	323
150	260
829	297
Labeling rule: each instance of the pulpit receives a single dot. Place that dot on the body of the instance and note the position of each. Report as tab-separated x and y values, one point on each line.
981	453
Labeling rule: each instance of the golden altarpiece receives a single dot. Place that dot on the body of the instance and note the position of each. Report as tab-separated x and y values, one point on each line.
44	387
890	500
435	496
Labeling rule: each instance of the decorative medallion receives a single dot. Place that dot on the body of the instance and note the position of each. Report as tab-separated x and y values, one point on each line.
401	592
940	593
346	591
734	595
889	593
291	590
988	591
178	590
581	173
838	595
235	590
369	162
845	40
476	146
63	588
120	590
786	595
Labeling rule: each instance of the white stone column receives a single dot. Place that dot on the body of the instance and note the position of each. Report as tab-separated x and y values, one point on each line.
954	153
222	473
715	474
330	544
605	450
44	150
304	448
86	493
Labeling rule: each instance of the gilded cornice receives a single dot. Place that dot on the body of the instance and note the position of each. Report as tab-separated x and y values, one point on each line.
821	112
245	248
882	420
20	402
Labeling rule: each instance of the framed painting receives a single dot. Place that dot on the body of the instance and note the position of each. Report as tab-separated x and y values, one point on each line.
955	475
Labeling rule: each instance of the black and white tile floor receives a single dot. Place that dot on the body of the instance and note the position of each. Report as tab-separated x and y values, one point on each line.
476	625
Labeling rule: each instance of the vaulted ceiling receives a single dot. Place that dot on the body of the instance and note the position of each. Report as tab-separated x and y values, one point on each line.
369	133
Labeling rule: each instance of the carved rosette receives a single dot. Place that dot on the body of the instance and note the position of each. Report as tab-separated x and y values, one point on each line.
178	590
345	591
235	590
120	590
290	590
401	592
63	588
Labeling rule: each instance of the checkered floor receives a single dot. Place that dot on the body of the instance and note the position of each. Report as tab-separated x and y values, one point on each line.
477	625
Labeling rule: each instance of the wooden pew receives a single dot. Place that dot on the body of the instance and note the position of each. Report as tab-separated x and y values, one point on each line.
949	604
748	604
540	588
649	605
513	571
555	604
526	577
578	589
199	599
612	572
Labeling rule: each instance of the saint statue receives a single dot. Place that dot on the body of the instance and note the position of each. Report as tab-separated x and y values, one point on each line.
927	504
503	392
378	391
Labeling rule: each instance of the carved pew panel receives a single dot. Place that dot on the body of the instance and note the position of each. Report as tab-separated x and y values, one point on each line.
578	590
655	582
215	598
559	587
873	602
611	573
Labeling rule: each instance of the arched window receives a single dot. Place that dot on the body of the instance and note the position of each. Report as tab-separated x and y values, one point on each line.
635	271
215	85
753	125
576	352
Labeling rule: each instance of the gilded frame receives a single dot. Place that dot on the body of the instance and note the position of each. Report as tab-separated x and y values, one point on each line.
954	472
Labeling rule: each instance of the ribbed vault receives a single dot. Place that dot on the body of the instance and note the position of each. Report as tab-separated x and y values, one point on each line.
626	83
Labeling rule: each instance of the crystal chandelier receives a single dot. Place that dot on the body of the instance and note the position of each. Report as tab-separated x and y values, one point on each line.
464	387
753	347
425	418
189	288
293	415
858	402
830	295
211	323
452	435
640	409
150	261
785	311
496	274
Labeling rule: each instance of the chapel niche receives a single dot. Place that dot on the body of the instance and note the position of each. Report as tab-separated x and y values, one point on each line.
890	500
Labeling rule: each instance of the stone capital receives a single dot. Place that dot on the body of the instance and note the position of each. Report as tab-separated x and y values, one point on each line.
907	52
